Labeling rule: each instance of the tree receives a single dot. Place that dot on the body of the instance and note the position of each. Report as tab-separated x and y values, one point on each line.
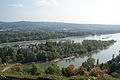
97	62
113	56
30	57
89	64
34	69
113	67
53	70
13	52
97	72
7	59
20	55
69	71
0	60
81	70
41	56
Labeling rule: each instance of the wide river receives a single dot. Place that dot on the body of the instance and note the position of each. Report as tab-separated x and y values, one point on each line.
103	55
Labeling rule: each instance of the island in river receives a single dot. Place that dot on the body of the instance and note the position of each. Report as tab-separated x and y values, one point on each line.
67	44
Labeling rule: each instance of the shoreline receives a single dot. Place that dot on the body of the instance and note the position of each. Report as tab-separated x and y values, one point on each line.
58	59
67	58
64	38
71	57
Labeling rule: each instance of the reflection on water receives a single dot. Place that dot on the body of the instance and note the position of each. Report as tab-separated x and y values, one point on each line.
103	55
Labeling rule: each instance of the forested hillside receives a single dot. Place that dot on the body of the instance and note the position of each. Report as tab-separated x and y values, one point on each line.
28	31
53	26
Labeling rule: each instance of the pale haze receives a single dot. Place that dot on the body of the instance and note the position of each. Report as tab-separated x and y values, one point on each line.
72	11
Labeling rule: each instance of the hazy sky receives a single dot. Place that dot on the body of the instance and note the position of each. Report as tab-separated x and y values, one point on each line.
75	11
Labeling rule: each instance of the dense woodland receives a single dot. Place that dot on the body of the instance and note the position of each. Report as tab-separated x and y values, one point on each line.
29	36
28	31
50	51
17	36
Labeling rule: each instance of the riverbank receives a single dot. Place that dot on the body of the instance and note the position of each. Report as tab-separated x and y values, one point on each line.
77	50
57	39
65	61
67	58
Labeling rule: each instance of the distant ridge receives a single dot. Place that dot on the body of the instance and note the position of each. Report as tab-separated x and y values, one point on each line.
54	26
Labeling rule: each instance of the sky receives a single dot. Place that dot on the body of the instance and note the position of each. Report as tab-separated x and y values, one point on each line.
71	11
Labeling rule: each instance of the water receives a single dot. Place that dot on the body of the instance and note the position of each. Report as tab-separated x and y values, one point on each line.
103	55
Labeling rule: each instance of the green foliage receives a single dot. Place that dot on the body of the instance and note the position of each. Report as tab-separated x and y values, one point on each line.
113	66
69	71
0	61
53	70
7	59
81	70
92	45
8	53
34	69
89	64
50	51
16	36
97	62
116	75
72	73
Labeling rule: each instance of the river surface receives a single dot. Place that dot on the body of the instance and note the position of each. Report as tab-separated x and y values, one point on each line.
103	55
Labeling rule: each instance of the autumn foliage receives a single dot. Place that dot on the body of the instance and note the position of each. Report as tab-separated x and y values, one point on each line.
70	71
97	72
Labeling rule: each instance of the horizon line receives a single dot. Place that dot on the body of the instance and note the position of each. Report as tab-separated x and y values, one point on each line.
59	22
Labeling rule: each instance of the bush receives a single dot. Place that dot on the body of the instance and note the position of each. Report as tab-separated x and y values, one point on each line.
53	70
34	69
69	71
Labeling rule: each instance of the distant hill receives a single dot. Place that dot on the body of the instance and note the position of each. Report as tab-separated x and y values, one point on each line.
53	26
1	22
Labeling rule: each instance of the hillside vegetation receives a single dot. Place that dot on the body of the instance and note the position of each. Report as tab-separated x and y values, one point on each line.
88	70
53	26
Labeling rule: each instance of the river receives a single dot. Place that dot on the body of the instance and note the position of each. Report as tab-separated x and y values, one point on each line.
103	55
